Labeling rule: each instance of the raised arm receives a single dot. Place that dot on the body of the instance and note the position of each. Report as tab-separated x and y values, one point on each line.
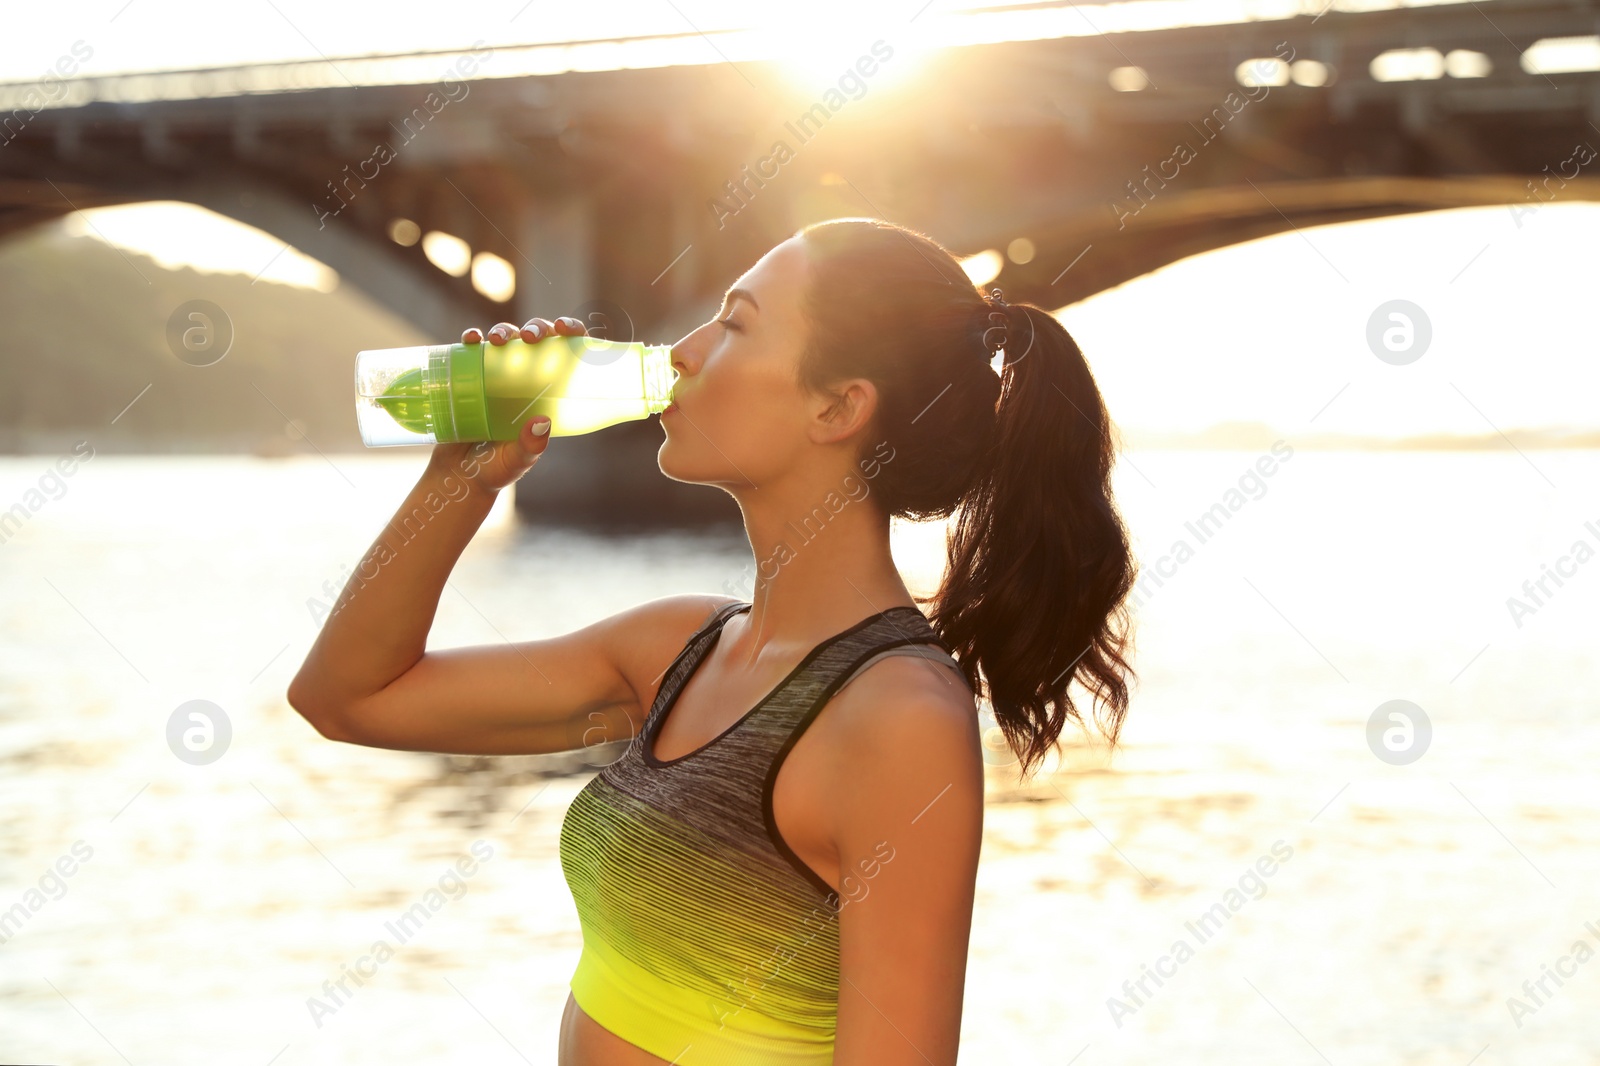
368	678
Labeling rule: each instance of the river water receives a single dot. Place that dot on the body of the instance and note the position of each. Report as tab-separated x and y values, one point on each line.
1362	909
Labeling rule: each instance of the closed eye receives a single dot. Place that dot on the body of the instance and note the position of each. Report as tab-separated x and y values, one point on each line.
729	323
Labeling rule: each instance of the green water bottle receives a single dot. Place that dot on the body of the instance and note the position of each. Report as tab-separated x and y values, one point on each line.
443	393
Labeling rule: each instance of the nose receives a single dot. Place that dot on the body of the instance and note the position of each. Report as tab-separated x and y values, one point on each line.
684	358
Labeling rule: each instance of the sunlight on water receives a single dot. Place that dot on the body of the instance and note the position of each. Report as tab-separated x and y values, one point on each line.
1404	905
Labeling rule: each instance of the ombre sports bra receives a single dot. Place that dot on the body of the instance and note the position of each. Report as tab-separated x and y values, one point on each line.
706	940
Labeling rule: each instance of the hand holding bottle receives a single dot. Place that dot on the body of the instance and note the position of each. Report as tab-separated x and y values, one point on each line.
492	465
487	387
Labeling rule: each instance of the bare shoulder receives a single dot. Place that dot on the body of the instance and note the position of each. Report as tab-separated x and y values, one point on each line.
643	640
903	727
906	814
900	697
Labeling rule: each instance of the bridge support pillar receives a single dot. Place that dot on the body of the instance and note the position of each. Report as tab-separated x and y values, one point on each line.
557	233
608	479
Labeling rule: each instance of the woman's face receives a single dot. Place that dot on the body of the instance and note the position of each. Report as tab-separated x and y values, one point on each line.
741	418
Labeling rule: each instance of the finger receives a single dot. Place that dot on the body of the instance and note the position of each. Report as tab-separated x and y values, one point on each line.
472	335
537	329
501	332
568	327
528	447
536	442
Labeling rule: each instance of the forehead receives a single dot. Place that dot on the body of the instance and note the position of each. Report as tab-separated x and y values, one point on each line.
777	277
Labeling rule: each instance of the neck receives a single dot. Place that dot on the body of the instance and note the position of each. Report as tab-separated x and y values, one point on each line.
822	563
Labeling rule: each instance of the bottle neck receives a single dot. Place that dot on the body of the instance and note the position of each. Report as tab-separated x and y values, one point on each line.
659	377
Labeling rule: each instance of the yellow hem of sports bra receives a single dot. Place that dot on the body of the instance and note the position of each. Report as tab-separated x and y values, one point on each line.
662	1019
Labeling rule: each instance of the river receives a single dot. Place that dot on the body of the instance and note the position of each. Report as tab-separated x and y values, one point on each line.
1362	908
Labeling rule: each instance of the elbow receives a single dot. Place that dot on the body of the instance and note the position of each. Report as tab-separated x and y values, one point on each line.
323	718
302	697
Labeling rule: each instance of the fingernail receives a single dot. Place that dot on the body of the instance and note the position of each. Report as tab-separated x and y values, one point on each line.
541	426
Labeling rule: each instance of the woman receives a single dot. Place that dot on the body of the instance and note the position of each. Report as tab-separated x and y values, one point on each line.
732	913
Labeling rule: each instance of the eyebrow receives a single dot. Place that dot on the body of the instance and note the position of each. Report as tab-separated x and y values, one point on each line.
736	293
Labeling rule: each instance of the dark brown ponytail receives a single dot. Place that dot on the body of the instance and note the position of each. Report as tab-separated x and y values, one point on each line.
1039	564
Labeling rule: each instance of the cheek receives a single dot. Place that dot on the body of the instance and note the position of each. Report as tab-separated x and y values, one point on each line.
770	411
753	396
746	421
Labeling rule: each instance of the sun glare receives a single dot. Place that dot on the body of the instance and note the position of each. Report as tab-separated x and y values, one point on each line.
838	45
985	266
178	235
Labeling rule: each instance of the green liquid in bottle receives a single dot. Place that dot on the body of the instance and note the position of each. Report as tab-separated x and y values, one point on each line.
477	392
406	402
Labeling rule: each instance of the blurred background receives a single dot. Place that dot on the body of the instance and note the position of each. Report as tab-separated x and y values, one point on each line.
1332	264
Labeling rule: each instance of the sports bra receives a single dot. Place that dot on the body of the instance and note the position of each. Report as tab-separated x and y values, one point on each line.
706	940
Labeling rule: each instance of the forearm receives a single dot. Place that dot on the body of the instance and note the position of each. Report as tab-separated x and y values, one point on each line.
378	627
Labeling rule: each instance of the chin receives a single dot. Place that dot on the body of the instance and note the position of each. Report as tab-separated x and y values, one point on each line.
675	464
669	462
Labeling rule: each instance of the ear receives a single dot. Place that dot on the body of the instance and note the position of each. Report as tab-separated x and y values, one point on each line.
844	412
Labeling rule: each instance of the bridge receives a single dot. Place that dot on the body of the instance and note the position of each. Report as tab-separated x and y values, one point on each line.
1081	161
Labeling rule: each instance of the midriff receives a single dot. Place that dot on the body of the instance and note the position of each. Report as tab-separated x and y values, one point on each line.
585	1042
